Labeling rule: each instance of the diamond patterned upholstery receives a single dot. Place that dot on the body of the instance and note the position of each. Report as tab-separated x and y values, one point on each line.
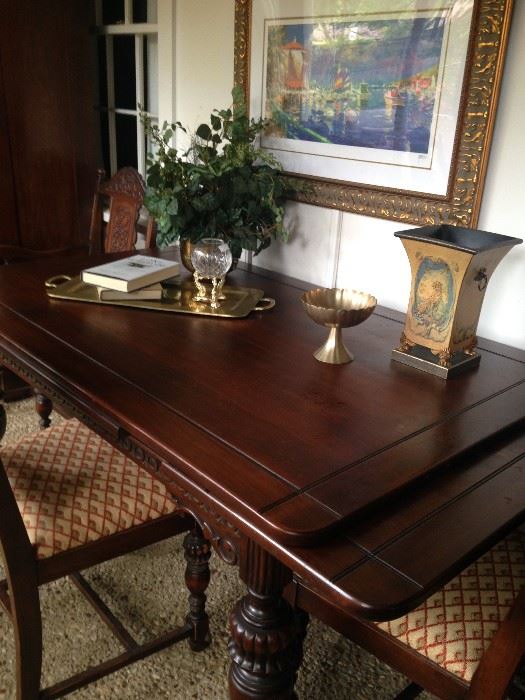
455	626
72	487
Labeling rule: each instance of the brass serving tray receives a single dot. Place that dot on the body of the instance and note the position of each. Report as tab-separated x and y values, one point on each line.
178	298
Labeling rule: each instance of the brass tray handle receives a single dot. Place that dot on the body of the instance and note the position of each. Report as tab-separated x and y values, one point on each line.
56	281
264	304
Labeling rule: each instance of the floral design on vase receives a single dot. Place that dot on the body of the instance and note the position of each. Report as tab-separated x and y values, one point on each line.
434	298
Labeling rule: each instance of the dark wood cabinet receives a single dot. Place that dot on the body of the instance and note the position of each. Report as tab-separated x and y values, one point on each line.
8	215
49	130
49	133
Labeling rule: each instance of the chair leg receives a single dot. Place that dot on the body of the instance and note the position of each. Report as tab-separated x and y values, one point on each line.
3	421
43	407
133	651
23	603
197	552
410	692
28	639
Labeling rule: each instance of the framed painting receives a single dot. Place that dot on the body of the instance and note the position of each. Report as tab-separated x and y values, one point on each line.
379	107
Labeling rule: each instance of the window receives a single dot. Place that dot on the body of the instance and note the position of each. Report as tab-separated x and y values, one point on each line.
128	53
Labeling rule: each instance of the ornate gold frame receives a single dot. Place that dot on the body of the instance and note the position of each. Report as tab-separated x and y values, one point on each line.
461	205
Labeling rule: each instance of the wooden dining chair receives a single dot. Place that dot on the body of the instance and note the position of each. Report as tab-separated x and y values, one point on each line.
467	640
115	224
117	216
119	200
69	500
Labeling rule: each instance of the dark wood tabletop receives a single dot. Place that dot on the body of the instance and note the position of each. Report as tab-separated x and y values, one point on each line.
373	482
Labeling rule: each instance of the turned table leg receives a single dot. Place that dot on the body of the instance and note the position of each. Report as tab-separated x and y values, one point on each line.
266	634
197	552
44	407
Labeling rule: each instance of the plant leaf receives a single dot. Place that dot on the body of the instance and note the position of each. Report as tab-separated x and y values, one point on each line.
204	132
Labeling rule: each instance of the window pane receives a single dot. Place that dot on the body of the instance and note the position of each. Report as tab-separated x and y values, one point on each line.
112	11
124	72
140	10
126	127
151	12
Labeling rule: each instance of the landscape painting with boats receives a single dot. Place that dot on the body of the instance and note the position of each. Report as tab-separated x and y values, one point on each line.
371	83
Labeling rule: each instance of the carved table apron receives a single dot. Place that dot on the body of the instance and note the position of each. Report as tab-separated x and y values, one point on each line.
329	482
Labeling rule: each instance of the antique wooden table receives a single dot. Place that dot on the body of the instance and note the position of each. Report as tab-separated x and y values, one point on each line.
358	488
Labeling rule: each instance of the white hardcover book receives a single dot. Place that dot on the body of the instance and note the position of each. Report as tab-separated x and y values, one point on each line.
129	274
152	293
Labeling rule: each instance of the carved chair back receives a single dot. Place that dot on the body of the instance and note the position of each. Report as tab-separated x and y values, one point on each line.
122	196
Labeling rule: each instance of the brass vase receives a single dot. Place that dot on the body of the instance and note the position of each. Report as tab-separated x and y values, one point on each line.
451	268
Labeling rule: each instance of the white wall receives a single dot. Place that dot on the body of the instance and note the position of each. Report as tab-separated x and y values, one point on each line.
503	314
203	58
329	247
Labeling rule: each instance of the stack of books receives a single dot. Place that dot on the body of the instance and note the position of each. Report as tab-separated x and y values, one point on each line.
135	277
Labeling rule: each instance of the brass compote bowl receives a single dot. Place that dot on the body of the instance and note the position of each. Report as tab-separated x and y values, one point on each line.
337	309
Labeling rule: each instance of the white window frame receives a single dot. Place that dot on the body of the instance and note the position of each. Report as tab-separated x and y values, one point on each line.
164	29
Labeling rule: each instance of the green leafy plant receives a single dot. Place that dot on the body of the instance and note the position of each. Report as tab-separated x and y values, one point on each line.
223	185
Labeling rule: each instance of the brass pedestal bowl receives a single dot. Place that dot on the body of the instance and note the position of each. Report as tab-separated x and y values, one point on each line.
336	309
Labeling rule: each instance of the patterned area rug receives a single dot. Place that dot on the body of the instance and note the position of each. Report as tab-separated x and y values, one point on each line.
146	589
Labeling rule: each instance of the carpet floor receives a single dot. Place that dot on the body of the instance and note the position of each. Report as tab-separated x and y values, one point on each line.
146	589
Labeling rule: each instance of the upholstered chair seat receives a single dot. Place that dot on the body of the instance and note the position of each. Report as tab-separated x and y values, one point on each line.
456	625
72	487
69	501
